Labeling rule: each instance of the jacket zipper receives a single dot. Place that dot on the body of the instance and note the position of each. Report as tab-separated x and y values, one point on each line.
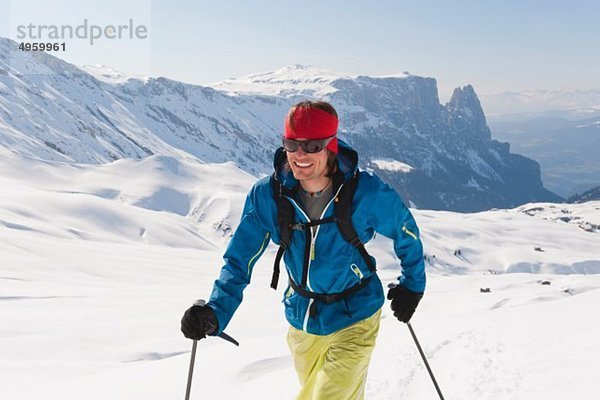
312	252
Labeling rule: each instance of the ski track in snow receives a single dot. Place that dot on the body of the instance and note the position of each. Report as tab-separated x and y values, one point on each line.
259	368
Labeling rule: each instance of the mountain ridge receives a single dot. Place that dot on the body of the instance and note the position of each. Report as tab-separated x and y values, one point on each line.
52	109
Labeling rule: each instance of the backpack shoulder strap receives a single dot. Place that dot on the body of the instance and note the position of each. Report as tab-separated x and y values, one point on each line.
285	217
343	214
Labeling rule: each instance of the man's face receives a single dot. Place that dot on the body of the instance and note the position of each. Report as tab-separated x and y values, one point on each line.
307	166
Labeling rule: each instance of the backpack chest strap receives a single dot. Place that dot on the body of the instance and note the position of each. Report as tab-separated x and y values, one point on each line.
300	226
329	298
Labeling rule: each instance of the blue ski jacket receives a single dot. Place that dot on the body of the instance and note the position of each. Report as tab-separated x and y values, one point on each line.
335	264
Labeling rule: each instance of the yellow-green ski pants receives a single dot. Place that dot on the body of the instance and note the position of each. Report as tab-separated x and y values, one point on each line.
334	366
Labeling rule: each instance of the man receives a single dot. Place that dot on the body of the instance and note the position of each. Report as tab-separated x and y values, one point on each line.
321	210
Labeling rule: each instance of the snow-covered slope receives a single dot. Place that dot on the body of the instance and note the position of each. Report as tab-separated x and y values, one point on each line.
297	81
53	110
123	201
110	75
98	262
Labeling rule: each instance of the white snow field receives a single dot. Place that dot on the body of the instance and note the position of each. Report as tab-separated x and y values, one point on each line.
98	263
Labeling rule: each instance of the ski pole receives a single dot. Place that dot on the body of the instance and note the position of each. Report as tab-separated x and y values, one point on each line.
191	371
412	332
222	335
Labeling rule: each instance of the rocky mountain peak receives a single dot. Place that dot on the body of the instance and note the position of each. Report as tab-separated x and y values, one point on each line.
466	114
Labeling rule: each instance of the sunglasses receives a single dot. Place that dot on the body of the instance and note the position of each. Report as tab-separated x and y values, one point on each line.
309	146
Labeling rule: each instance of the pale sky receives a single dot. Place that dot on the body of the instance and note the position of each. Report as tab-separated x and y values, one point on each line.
495	46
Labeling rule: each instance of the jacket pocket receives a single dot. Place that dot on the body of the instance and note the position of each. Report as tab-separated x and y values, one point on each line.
293	304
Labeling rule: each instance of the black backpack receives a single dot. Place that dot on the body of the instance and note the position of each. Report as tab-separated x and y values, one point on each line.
344	193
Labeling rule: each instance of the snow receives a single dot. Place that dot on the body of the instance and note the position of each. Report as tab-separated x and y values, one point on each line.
472	183
403	74
392	165
480	166
293	80
585	217
110	75
60	112
98	263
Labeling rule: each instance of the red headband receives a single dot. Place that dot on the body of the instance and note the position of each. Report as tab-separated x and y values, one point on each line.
313	123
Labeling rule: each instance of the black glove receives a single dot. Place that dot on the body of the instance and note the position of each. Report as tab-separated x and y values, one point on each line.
199	321
404	302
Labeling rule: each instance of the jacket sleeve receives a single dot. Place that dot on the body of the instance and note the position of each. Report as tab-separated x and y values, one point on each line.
391	218
245	248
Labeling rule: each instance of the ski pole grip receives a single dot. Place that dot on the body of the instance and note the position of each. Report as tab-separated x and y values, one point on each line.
212	328
199	302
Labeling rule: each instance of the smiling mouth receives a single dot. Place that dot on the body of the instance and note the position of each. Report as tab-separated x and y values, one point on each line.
303	165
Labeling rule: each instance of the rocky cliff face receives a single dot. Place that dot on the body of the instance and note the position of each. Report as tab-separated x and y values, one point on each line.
50	109
457	164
